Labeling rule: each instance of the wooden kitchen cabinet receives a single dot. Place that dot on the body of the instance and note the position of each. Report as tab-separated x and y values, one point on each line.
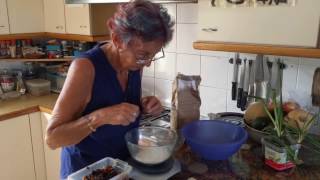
52	157
25	16
290	26
4	23
88	19
16	149
54	16
78	19
37	145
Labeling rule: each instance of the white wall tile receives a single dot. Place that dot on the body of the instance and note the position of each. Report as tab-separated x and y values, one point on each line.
230	75
187	34
148	71
214	72
172	46
217	54
172	10
212	100
147	86
163	90
188	64
290	73
187	13
166	68
247	56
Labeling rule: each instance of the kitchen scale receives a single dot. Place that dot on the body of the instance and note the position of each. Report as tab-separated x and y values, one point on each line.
160	171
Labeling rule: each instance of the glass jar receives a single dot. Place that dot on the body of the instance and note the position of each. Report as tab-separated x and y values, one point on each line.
7	82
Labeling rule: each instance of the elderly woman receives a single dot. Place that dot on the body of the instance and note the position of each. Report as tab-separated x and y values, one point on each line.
101	99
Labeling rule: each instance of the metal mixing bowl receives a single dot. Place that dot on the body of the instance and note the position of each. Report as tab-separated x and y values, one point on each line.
151	145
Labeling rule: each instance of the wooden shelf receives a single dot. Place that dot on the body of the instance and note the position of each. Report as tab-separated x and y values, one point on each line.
39	60
258	49
77	37
22	36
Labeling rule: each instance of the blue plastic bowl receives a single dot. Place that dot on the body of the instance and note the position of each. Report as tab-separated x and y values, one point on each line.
214	139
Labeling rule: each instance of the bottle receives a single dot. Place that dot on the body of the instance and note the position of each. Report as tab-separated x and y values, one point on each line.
13	49
65	51
3	50
19	49
29	42
8	44
21	88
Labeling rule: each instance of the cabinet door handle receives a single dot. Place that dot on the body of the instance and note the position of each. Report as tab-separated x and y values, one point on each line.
2	26
209	29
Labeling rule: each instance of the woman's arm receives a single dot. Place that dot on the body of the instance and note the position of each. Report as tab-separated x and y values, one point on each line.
150	104
66	126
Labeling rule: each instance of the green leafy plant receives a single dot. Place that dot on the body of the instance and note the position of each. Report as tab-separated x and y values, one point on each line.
284	135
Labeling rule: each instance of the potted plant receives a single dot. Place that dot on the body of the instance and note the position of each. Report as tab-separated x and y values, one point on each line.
280	150
282	145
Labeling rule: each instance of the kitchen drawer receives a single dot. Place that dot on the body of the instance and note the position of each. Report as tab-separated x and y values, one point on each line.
294	26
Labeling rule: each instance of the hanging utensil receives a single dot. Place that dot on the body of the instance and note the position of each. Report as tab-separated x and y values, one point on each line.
315	94
316	88
251	81
259	92
245	86
266	78
275	75
240	85
235	77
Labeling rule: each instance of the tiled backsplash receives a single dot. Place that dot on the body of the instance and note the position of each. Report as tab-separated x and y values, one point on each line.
215	71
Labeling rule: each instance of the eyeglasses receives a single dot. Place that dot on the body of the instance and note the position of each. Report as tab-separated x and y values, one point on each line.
147	60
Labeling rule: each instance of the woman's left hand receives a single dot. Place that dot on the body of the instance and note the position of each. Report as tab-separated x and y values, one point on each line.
151	105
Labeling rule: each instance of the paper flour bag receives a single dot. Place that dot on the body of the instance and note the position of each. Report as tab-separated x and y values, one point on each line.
186	100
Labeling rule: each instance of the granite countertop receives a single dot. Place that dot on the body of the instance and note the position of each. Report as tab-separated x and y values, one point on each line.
26	104
247	163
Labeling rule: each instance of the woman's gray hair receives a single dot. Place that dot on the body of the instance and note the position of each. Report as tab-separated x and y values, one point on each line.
143	19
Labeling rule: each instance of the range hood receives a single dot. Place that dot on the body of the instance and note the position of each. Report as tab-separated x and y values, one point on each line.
123	1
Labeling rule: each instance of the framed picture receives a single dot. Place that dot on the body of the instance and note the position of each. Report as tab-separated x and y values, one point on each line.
230	3
252	3
259	3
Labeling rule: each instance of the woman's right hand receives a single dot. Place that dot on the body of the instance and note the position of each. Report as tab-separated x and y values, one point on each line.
120	114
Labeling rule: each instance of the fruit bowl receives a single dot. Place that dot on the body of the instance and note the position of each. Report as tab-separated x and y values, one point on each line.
255	134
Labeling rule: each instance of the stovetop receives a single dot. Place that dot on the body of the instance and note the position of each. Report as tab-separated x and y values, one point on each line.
162	120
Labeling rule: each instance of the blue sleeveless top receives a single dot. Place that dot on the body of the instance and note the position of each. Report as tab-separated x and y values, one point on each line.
108	140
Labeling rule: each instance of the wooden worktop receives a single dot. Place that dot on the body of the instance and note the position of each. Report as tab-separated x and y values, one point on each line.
26	104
